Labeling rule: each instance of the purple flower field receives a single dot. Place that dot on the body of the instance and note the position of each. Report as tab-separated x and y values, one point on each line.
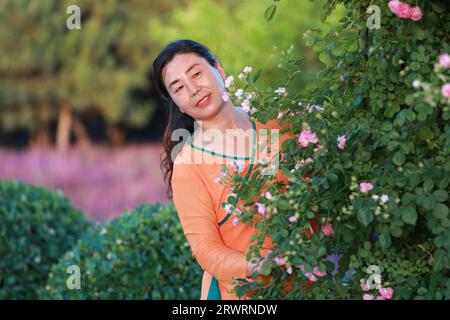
100	181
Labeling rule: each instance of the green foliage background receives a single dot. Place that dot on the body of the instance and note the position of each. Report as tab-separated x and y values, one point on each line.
104	67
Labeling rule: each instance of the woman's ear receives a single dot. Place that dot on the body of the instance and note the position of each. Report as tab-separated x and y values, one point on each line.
220	69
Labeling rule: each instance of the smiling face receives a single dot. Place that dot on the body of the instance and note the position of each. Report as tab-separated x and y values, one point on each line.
194	85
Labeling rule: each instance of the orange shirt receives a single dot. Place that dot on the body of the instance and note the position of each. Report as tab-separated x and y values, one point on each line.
218	246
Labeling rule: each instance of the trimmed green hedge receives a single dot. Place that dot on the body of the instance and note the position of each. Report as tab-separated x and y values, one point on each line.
36	227
141	255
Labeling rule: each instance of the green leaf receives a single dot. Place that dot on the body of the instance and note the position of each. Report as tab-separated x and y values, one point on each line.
422	291
395	230
256	76
242	290
428	185
332	178
409	215
357	101
325	58
270	12
440	211
440	195
399	158
392	145
414	180
267	268
437	6
385	240
365	216
415	66
284	205
349	226
386	126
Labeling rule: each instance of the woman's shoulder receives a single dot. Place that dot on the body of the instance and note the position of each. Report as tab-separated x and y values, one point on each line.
190	163
276	123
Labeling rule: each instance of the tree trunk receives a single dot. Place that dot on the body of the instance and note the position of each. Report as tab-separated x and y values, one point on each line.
81	133
64	128
116	135
41	138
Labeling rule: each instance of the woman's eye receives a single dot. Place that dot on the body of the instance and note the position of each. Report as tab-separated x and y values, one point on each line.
178	89
197	74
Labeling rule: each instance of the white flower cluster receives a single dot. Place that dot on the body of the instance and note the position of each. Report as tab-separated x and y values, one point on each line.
239	92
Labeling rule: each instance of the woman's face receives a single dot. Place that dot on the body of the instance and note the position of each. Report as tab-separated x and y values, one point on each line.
189	78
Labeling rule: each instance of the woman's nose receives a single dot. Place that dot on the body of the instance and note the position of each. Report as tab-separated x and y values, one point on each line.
193	88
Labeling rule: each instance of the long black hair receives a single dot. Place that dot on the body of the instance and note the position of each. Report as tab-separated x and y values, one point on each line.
177	119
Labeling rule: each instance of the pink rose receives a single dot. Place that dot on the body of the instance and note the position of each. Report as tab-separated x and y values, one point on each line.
280	261
306	137
245	105
341	142
225	97
446	90
364	285
365	186
393	5
261	208
310	276
327	229
386	293
444	60
319	146
416	14
367	297
403	11
319	273
292	219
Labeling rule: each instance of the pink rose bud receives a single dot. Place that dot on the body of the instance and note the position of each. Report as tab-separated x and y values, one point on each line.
341	142
446	90
327	229
416	14
365	186
444	60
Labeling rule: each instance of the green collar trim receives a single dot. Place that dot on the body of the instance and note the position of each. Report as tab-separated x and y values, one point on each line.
250	169
224	155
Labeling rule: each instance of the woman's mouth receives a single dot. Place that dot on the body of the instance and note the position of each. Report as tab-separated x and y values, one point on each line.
204	101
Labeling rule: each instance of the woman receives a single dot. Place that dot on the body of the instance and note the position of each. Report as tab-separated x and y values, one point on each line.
192	80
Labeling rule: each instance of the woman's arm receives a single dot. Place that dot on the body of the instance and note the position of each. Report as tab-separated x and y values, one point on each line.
198	219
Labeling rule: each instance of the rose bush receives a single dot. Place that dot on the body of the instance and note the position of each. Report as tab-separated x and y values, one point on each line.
37	226
143	254
369	162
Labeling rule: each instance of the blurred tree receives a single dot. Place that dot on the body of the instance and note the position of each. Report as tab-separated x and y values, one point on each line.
49	73
237	34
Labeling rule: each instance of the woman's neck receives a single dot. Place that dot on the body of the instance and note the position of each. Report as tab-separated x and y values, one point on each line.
230	117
